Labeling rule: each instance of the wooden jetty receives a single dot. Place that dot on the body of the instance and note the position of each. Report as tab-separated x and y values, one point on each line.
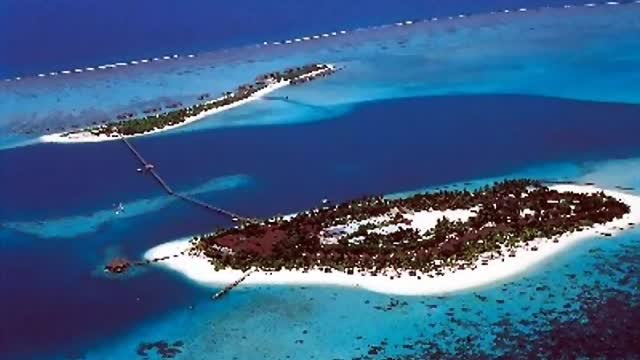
150	168
230	287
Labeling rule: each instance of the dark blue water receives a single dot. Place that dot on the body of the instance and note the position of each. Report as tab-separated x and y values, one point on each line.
54	298
406	143
60	303
42	36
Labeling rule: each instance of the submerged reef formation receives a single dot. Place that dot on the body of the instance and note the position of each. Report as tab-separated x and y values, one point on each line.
163	349
599	323
426	233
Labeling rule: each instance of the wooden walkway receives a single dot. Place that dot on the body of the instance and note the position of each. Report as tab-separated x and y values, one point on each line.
230	287
148	167
123	266
209	206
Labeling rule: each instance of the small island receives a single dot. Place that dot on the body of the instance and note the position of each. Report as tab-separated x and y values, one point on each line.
425	232
154	120
427	243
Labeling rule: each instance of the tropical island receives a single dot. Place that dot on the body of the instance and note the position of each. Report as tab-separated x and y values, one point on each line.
154	120
375	233
426	243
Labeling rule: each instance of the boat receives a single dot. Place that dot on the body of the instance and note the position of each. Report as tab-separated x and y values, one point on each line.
119	209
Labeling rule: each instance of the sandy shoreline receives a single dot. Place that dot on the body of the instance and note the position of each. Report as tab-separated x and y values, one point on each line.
199	270
87	137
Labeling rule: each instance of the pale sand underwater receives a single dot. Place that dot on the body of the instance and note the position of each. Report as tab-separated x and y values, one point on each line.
497	271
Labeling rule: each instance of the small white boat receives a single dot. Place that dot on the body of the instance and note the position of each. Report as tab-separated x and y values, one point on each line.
119	209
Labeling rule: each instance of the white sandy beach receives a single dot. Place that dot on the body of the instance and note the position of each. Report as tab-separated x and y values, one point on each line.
88	137
498	270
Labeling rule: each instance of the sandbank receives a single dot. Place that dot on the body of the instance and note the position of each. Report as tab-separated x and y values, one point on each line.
198	268
86	136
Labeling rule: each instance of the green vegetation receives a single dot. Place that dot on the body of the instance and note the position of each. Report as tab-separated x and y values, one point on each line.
508	215
149	123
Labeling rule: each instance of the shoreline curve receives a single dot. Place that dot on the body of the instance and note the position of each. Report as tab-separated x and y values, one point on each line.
199	270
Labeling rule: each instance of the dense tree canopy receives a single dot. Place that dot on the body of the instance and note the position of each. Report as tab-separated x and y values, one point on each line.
506	215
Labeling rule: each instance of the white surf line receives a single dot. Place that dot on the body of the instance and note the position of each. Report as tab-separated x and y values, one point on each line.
311	37
314	37
102	67
410	22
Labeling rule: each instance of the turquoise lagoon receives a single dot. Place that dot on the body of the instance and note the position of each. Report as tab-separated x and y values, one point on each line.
577	53
550	94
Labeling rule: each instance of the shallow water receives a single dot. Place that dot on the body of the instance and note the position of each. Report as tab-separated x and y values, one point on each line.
125	31
440	117
310	322
287	168
577	53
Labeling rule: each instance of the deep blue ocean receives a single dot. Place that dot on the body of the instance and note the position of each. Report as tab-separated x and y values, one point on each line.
70	304
517	103
42	36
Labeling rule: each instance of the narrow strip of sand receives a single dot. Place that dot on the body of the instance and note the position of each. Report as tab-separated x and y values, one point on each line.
86	136
498	270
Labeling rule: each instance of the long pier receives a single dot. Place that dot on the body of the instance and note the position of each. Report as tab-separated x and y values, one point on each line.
208	206
230	287
151	170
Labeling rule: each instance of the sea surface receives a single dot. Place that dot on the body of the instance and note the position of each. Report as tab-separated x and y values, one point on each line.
40	36
547	93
